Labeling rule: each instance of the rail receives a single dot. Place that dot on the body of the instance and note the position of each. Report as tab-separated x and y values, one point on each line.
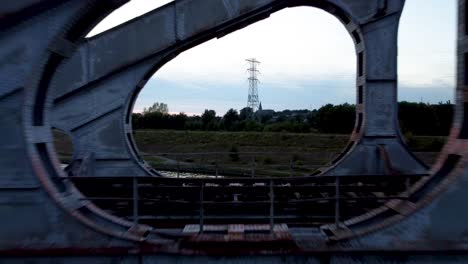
297	201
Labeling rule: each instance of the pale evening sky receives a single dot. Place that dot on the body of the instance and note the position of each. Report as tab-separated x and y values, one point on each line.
307	57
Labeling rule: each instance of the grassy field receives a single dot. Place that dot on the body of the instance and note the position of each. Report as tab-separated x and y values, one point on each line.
270	153
238	152
203	141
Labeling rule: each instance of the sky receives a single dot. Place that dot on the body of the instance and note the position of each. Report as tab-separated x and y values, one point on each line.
307	60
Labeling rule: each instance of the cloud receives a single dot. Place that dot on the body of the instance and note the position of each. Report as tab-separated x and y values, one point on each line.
304	94
308	59
435	92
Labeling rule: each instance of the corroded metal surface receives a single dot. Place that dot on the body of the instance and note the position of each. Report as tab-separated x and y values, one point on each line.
50	76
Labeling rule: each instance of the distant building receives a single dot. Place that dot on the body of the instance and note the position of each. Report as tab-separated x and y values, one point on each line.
260	113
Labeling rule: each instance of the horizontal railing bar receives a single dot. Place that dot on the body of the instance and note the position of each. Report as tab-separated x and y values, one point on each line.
228	217
240	179
245	202
227	153
248	187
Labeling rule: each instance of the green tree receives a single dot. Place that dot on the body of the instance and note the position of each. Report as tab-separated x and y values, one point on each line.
157	108
208	119
336	119
245	113
444	114
178	121
230	118
137	121
425	119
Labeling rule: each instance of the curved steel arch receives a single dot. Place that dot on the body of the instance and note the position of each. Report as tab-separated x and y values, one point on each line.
433	218
110	67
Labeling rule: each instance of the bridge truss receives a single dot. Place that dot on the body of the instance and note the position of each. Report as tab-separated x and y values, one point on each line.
116	207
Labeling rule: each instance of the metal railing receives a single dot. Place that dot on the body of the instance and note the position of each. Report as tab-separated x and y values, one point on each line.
274	197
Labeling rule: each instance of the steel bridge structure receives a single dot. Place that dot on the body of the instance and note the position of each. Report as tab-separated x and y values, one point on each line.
376	202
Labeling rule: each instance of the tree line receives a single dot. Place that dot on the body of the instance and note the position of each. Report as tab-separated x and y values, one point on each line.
415	118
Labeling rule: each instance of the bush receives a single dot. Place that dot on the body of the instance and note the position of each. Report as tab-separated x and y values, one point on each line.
299	163
288	126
